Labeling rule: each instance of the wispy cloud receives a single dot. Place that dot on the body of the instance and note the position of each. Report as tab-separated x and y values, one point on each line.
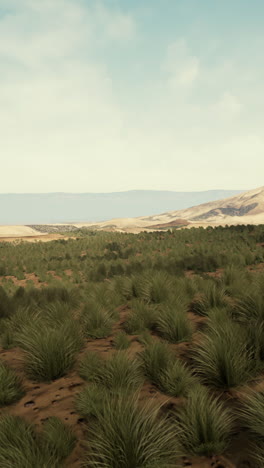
182	67
66	126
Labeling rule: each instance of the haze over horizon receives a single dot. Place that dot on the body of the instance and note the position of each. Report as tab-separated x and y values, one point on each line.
48	208
110	96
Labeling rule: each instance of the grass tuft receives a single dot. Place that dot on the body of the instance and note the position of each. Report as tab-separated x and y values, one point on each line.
11	389
205	424
96	321
22	447
49	352
173	324
222	359
128	434
89	402
121	341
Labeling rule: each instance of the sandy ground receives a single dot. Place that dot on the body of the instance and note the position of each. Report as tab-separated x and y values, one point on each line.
16	231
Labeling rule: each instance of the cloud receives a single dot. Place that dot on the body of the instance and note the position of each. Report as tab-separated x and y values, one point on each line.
229	105
181	66
66	126
58	109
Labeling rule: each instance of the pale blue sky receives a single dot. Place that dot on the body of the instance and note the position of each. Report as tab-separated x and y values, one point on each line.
100	96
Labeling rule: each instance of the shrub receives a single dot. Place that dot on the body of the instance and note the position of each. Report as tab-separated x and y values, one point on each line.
11	389
205	424
127	435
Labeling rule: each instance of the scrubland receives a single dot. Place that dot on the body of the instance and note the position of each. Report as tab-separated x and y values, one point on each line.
133	351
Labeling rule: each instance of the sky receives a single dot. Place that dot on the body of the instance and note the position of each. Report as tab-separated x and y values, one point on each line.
115	95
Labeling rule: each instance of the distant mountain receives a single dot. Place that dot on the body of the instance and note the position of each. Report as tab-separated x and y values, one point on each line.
93	207
245	208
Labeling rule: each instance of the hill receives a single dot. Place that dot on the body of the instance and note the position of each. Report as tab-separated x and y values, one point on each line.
244	208
49	208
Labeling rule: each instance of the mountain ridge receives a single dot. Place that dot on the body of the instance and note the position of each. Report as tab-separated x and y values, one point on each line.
64	207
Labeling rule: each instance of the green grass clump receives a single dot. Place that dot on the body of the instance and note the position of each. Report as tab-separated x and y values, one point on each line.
176	380
145	338
58	437
205	424
250	306
89	402
235	280
127	434
91	366
213	296
22	447
251	415
173	324
11	389
141	317
155	358
118	373
222	358
168	373
49	353
121	373
156	287
96	321
121	341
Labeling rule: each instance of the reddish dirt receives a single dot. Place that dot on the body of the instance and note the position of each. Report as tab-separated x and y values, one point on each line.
23	282
43	400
